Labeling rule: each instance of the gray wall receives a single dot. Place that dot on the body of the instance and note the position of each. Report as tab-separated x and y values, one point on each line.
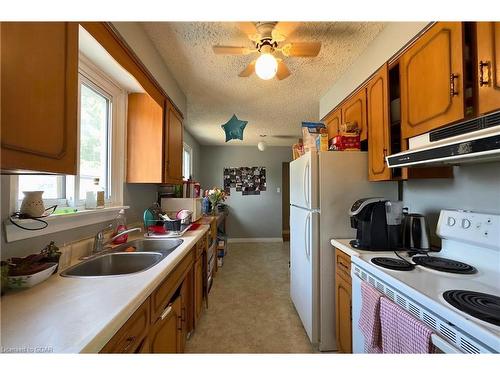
474	187
137	196
250	216
189	140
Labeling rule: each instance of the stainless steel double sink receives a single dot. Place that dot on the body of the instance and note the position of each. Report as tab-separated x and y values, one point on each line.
132	257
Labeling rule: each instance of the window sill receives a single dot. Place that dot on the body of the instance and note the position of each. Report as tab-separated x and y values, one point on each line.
58	223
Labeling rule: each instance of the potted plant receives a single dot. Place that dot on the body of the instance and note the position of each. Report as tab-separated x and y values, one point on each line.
51	253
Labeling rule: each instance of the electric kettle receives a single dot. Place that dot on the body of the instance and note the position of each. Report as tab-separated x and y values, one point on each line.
415	232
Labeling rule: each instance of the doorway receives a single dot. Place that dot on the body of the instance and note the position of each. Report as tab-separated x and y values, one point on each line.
285	201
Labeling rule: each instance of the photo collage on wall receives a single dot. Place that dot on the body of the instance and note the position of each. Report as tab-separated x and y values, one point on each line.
248	180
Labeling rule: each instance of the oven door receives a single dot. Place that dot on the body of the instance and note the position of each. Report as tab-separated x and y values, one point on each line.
358	340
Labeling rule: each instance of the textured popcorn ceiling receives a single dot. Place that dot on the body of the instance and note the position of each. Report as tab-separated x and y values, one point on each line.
214	91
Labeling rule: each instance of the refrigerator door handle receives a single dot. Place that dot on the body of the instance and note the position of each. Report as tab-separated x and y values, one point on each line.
307	235
305	182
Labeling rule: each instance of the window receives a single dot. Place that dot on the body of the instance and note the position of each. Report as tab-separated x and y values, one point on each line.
101	131
187	162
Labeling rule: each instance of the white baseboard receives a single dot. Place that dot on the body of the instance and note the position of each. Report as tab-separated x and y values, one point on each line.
255	239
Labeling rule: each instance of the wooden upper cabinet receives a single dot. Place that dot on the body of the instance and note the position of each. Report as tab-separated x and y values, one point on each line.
333	122
378	126
173	145
144	139
39	101
354	110
488	69
432	93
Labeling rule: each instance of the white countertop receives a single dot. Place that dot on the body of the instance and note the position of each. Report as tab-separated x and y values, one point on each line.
73	315
343	244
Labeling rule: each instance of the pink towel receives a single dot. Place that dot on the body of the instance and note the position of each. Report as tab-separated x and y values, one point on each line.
369	320
402	332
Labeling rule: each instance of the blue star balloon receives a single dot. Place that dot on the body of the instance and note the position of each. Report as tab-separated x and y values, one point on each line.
234	128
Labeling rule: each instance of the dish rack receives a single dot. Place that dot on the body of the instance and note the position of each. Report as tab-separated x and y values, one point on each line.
156	227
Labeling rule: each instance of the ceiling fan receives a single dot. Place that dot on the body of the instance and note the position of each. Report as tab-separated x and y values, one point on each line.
268	38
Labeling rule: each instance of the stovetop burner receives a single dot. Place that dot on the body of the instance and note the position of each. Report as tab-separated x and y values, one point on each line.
393	263
483	306
444	265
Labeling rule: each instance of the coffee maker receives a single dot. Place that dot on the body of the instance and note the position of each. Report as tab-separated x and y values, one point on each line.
378	224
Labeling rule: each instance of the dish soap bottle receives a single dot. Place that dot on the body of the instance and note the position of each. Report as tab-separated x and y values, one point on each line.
120	225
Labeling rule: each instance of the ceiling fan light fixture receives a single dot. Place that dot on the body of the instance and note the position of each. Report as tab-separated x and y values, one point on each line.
266	66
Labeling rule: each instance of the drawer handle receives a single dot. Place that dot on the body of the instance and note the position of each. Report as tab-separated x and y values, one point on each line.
130	340
165	312
484	79
453	91
342	265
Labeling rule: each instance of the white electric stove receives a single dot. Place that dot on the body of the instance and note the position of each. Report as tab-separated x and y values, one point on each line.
443	300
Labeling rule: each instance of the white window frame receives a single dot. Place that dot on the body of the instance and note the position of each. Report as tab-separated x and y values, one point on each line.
189	149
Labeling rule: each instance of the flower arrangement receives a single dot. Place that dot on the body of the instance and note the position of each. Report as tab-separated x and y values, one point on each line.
215	196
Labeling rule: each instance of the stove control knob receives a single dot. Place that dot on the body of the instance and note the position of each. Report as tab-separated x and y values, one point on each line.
466	223
451	221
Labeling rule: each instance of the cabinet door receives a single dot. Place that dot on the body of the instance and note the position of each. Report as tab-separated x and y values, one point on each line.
343	314
39	85
164	336
333	122
186	309
432	93
198	288
174	146
378	126
144	139
488	59
354	110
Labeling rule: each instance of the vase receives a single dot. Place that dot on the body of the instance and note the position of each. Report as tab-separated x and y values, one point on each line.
32	204
214	210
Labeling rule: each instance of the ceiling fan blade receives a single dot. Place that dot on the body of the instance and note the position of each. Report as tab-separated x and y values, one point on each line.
283	71
249	29
301	49
248	71
283	30
229	50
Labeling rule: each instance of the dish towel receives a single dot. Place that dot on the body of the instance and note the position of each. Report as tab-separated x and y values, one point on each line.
402	332
369	320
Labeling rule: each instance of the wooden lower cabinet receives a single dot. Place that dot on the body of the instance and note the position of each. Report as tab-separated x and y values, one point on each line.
166	334
162	323
132	336
198	288
343	305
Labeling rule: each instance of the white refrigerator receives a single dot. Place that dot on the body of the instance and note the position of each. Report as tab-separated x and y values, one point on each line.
323	186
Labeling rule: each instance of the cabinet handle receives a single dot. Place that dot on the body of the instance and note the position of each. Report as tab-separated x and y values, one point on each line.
453	91
484	79
165	312
183	314
129	342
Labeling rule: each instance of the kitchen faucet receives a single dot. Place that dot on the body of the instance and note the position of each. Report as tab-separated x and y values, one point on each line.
99	244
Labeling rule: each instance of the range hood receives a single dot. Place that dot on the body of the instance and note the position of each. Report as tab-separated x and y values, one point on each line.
470	141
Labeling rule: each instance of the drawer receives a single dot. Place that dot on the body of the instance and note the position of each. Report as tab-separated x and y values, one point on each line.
131	335
343	261
162	294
